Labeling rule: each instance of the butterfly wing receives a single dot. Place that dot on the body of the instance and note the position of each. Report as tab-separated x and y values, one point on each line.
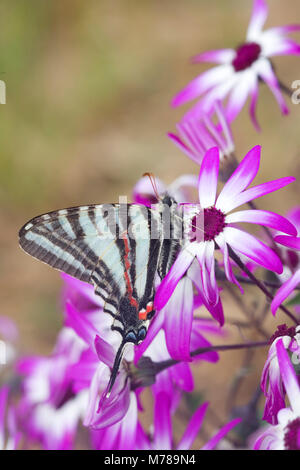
116	248
72	240
96	244
172	227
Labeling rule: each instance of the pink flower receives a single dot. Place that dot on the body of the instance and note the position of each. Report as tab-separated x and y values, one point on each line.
47	378
9	441
182	332
84	314
117	426
123	434
177	317
194	137
162	436
49	409
271	380
239	70
290	257
55	426
286	434
293	264
92	370
178	377
215	225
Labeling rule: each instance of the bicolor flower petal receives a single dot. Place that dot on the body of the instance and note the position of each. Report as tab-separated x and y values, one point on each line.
214	227
239	71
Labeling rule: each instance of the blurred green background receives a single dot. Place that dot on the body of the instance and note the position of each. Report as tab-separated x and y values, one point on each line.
88	90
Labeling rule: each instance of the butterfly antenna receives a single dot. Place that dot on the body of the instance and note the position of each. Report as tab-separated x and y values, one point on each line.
153	183
115	369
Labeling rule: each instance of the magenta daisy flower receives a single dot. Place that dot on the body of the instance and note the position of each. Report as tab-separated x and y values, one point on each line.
9	435
92	371
162	436
84	314
183	332
179	377
194	137
239	70
49	409
271	380
289	256
286	434
54	427
215	226
292	243
122	435
184	302
46	379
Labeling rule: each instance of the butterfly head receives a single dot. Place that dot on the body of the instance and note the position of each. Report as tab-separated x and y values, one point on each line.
168	200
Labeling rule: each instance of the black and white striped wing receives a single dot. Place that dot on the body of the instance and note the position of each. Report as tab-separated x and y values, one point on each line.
172	232
95	244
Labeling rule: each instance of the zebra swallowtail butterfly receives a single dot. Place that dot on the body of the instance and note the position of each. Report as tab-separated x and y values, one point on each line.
118	248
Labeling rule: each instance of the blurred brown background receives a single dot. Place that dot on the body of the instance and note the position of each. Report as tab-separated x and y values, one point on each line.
88	90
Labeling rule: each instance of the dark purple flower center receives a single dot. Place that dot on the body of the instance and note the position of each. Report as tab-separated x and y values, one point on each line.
246	54
292	435
68	395
283	330
213	221
293	259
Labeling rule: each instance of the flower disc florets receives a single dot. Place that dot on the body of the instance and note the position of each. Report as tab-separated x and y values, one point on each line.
207	224
246	55
292	435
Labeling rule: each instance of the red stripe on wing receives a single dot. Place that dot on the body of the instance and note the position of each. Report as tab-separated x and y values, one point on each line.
126	273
